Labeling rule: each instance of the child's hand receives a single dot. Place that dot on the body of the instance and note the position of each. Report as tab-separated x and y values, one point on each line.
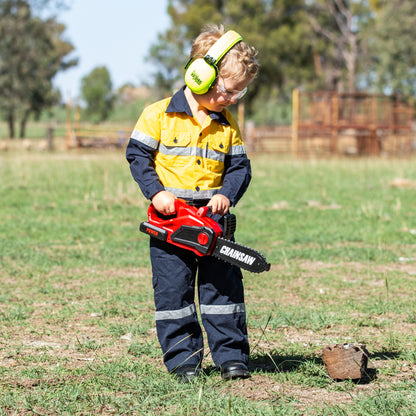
219	204
164	202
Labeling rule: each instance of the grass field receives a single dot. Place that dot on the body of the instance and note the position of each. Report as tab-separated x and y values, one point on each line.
76	306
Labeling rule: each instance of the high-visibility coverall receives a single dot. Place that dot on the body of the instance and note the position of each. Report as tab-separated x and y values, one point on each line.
169	150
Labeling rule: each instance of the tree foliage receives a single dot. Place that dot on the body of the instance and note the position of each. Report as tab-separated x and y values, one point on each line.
393	47
32	51
340	45
97	91
51	6
342	25
277	28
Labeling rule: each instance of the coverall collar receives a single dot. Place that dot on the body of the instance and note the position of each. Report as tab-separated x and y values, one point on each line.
179	104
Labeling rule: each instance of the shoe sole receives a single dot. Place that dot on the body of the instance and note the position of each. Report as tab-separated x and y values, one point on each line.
231	375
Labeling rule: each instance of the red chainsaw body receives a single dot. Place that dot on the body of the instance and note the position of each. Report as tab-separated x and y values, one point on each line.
190	228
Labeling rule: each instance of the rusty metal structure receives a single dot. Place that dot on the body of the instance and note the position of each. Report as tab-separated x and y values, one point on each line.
323	124
351	123
86	135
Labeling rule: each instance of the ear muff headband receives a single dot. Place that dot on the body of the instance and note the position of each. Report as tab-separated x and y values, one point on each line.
202	72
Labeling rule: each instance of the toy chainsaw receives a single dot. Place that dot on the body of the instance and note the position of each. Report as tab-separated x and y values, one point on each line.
193	230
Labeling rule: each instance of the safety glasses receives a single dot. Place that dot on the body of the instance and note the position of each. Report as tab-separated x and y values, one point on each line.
231	95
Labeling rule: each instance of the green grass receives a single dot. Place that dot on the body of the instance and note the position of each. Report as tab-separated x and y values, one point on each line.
76	308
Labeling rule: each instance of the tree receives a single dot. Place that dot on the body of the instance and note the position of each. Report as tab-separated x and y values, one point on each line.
371	43
48	7
393	47
97	91
27	66
341	24
168	56
278	28
336	45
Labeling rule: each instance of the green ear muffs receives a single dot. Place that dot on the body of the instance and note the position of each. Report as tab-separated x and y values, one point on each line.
202	72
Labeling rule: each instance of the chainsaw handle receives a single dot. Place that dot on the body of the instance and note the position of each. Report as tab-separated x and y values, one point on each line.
183	210
189	228
155	214
203	211
181	204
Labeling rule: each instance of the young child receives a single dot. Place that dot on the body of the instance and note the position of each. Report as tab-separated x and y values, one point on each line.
189	146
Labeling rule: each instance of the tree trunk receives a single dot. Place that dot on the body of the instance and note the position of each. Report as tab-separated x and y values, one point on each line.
10	122
23	126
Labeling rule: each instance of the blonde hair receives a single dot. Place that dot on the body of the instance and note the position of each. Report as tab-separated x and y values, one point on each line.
238	63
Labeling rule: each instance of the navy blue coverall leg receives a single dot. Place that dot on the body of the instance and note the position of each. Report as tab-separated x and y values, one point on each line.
221	300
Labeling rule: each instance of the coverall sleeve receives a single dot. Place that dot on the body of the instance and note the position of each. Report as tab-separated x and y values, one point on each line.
140	156
237	166
237	177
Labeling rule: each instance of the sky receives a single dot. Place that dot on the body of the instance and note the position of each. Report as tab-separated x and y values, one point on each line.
116	34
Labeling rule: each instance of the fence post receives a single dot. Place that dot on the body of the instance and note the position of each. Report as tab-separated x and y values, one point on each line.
49	138
68	126
334	122
295	122
240	110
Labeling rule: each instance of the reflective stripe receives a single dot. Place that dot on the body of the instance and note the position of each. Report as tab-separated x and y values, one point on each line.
176	314
201	152
237	150
191	194
192	151
212	154
176	151
145	139
222	309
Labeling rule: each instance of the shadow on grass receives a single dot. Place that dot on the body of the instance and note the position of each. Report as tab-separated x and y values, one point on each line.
267	363
297	363
282	363
384	355
273	364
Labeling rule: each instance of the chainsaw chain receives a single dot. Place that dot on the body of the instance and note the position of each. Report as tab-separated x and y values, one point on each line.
241	256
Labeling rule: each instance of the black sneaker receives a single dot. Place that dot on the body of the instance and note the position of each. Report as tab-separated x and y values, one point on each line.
234	369
186	373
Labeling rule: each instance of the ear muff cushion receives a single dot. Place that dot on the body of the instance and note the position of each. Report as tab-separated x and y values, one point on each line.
200	75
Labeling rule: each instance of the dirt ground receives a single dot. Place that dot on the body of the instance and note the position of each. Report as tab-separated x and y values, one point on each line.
63	341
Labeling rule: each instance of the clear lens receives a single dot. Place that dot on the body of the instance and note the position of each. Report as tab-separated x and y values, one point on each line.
241	94
231	94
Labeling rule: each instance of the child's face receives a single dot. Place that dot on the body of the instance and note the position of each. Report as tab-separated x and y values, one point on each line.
226	91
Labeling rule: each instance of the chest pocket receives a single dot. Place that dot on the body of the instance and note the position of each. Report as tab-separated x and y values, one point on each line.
219	145
177	139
